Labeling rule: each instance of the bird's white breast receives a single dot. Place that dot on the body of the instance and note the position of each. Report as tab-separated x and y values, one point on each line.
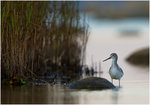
115	73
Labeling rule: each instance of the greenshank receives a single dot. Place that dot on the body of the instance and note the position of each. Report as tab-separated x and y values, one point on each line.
115	71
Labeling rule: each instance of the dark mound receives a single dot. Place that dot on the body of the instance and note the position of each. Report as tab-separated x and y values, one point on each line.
92	83
140	57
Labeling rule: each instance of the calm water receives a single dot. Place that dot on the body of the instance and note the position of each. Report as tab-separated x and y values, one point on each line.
105	38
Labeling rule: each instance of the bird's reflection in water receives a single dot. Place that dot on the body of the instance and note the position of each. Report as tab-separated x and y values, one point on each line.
115	93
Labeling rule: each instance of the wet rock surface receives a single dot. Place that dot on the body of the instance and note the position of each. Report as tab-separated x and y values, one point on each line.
92	83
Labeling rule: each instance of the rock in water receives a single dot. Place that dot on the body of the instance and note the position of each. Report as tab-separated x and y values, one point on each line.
92	83
140	57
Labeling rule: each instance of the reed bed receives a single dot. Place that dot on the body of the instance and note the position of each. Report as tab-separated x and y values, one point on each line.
41	38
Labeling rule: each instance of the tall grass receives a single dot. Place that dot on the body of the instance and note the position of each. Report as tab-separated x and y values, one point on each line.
33	33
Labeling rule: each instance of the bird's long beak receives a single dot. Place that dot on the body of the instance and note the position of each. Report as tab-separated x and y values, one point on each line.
106	59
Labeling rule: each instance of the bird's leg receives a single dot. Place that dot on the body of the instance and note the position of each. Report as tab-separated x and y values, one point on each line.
119	82
112	80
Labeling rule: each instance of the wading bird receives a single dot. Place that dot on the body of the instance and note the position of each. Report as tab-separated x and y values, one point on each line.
115	71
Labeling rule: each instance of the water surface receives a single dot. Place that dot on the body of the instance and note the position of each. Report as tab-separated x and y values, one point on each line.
105	38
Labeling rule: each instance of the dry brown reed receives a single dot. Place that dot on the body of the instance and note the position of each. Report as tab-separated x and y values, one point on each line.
32	32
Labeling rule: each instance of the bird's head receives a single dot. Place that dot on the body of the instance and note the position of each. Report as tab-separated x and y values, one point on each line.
112	56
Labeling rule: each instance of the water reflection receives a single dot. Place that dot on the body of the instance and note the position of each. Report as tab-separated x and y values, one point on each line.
37	94
59	94
115	93
114	97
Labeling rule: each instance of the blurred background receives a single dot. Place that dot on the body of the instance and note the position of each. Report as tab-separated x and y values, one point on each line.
122	28
116	9
56	40
117	26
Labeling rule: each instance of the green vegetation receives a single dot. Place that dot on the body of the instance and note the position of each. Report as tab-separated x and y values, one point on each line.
38	35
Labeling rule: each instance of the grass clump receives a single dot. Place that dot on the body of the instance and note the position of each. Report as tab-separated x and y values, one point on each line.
41	38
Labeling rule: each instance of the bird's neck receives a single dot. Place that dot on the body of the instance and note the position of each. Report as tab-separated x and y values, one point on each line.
114	61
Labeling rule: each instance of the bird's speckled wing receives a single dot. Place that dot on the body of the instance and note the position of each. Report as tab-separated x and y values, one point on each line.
121	70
